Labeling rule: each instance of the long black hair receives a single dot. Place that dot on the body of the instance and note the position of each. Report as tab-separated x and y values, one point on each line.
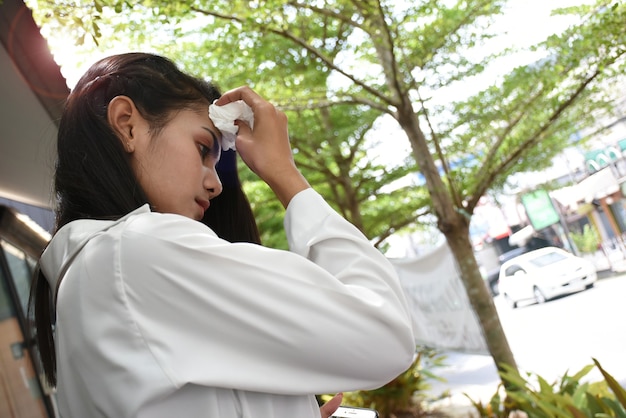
93	177
230	215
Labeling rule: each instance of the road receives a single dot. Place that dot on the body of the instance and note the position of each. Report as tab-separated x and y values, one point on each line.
549	339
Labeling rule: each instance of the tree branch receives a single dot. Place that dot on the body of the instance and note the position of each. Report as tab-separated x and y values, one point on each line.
398	225
325	12
444	162
324	103
393	67
466	19
301	42
484	170
504	165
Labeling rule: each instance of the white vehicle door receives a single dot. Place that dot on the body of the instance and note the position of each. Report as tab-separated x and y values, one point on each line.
518	283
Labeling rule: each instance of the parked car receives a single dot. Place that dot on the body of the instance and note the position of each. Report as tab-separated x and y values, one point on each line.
493	276
544	274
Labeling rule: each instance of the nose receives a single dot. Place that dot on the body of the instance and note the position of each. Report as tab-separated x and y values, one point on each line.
212	182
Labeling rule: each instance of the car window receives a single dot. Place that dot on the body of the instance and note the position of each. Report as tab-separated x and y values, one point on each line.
547	259
511	270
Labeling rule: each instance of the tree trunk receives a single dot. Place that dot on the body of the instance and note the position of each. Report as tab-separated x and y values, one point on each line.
453	222
478	294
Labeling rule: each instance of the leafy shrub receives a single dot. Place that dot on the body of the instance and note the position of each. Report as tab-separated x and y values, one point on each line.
566	398
587	241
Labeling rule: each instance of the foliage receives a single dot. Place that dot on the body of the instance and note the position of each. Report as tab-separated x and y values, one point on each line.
403	395
567	398
586	241
536	108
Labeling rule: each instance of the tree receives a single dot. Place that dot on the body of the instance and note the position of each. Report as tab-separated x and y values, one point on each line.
326	57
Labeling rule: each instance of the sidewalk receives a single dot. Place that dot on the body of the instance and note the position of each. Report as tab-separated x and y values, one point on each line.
612	262
471	374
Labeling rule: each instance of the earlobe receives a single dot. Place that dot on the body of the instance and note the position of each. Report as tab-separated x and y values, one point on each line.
121	115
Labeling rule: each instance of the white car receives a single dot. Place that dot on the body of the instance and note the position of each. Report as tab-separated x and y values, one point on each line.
544	274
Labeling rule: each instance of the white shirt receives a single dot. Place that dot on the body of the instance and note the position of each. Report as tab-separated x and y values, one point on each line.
158	317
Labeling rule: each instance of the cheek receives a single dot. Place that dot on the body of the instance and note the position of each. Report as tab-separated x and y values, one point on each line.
154	172
184	169
165	172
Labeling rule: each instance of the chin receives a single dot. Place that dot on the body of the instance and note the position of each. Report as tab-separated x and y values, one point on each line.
198	215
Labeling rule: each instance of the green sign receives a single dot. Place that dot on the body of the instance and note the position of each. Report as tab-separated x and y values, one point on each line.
539	209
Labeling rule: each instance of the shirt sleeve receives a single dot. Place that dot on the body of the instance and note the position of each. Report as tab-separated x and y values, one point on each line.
327	316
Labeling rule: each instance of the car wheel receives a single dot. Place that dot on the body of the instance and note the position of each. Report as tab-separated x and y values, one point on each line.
539	296
511	302
589	286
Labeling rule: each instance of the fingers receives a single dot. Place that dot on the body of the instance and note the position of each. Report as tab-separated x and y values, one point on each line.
331	406
265	148
244	93
236	94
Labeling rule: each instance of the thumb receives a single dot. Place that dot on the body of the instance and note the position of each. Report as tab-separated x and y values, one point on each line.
244	128
244	133
331	406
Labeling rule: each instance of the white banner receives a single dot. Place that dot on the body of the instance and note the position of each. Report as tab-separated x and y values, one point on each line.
441	310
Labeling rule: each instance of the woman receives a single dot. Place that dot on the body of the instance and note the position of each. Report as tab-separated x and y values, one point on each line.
156	316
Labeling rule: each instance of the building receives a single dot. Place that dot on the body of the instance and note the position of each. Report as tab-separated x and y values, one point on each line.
32	93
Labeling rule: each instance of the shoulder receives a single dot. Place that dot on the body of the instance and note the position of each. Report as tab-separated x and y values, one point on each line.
152	230
154	223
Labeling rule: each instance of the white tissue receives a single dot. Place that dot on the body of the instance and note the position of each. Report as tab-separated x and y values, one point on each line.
224	117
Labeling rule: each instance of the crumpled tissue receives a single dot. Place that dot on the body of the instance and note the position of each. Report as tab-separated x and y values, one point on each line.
224	117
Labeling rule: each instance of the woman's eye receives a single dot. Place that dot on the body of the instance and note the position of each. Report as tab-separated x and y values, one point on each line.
204	151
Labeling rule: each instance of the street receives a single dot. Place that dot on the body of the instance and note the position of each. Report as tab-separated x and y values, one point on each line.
548	339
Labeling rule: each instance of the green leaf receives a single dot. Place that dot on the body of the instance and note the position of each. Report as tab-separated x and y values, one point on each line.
577	413
619	391
616	408
582	373
595	405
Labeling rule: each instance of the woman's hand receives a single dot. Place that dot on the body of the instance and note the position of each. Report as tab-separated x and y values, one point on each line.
331	406
266	149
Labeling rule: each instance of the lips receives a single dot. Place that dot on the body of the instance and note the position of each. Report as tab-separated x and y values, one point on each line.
204	204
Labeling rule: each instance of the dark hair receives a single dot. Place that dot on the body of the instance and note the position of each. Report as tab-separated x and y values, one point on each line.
93	177
230	215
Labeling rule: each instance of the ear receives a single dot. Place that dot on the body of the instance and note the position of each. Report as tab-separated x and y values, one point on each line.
122	117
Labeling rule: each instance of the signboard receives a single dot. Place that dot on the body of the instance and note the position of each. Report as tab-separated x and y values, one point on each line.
539	209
